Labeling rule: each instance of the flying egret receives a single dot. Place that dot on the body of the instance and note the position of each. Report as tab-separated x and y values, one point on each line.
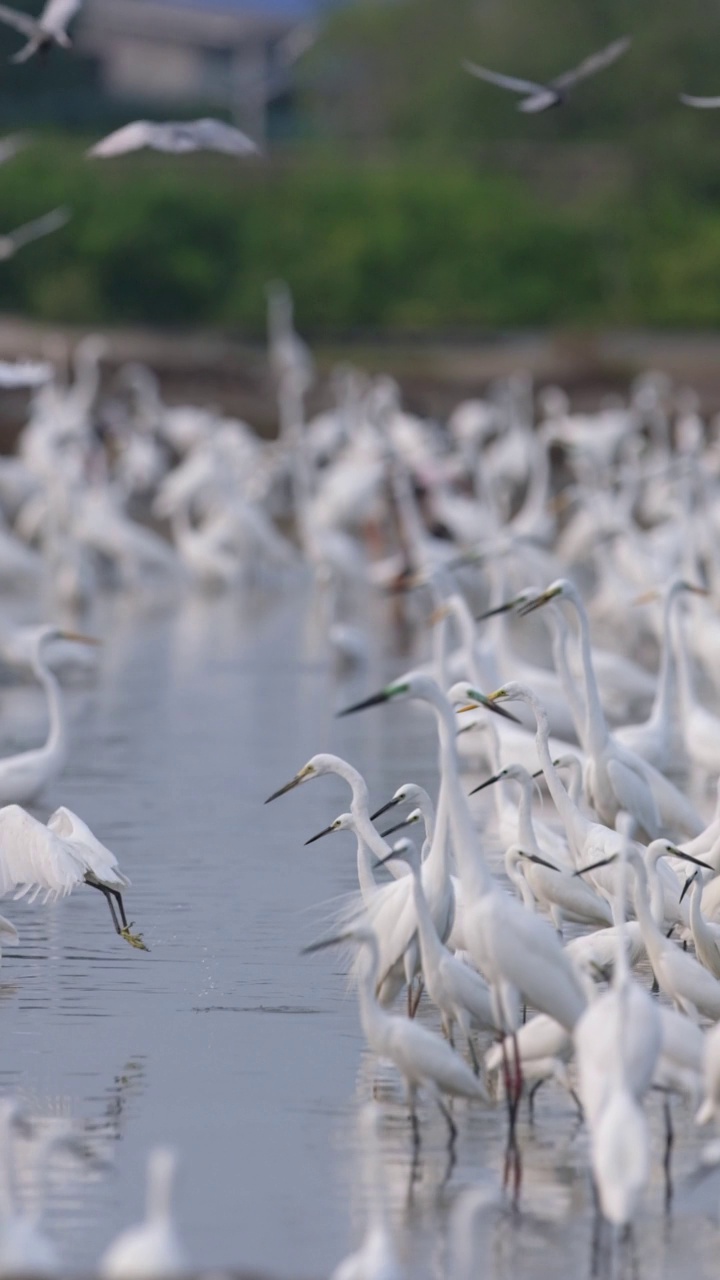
538	97
43	32
57	857
176	136
153	1249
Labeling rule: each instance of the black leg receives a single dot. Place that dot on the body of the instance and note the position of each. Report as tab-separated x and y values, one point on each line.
107	894
667	1159
452	1127
531	1100
116	894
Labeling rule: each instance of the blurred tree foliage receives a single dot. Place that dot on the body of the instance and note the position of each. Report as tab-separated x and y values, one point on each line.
419	198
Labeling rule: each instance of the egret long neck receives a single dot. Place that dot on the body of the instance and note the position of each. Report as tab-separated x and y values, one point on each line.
56	742
576	825
472	870
430	945
595	724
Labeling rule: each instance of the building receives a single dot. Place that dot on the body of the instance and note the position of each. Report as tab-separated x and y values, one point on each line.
178	56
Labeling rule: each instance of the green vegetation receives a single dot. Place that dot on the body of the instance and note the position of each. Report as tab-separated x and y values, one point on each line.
418	199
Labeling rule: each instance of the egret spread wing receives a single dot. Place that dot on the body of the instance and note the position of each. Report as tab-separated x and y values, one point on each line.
634	795
32	857
513	83
94	856
705	104
131	137
215	135
58	13
595	62
39	227
20	21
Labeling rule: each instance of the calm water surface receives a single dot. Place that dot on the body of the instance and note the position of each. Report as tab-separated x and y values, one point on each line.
223	1040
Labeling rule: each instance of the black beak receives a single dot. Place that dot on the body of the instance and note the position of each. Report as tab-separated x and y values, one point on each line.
500	608
488	783
604	862
324	943
532	605
378	812
543	862
374	701
493	706
687	857
690	880
398	827
294	782
326	832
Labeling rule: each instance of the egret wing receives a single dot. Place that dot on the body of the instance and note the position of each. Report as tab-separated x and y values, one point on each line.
704	104
39	227
513	83
131	137
634	795
20	21
90	851
218	136
57	14
592	64
32	857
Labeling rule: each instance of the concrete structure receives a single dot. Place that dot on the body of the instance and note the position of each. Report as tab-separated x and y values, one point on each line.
174	56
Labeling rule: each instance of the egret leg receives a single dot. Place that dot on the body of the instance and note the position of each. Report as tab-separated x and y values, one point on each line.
410	998
108	896
667	1158
517	1081
531	1100
452	1127
418	997
473	1055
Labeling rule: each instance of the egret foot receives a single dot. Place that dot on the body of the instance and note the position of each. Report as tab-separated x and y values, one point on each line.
135	939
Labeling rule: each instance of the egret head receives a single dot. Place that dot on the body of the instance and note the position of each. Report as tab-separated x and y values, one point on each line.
415	816
345	822
408	793
518	602
315	768
562	589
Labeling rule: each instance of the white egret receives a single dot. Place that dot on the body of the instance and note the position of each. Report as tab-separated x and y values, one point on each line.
10	242
392	910
421	1057
617	1042
513	949
153	1249
682	978
705	933
460	994
365	860
53	859
615	778
43	32
176	136
24	775
540	97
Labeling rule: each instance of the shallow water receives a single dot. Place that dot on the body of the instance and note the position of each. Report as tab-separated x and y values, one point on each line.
222	1040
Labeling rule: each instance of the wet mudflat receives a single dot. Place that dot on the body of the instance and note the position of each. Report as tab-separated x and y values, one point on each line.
223	1040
